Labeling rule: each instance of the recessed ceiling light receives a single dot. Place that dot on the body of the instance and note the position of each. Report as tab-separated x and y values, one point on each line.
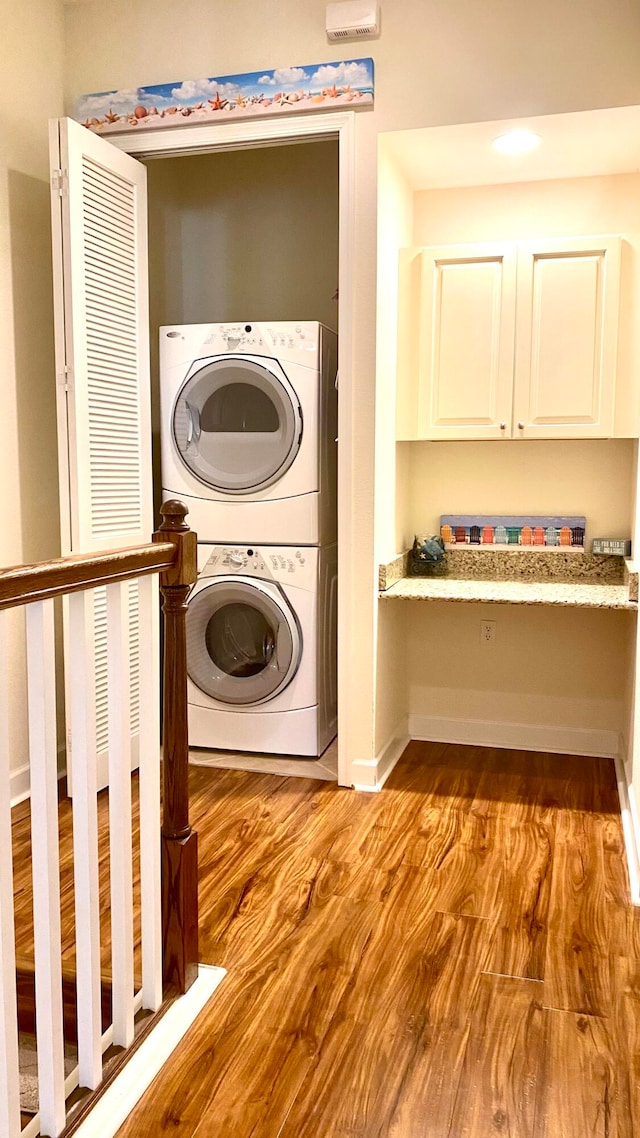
516	142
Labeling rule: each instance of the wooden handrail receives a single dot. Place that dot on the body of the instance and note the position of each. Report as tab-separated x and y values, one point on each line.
26	583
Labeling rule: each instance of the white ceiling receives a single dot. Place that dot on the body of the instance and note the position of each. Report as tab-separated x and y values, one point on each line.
581	144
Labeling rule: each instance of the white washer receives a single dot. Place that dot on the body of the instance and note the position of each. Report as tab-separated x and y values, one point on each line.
249	425
261	649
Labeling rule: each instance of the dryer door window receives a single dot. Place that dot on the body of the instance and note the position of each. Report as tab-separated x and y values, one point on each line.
243	642
237	425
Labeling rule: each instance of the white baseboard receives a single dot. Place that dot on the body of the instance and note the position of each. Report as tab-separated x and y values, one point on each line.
129	1086
371	774
19	784
532	737
630	822
20	780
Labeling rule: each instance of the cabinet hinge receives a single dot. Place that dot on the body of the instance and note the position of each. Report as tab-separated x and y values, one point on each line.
60	182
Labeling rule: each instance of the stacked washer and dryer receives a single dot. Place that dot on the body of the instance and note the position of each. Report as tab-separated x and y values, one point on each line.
249	426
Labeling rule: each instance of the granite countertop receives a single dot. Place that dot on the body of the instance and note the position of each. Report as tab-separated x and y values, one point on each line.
520	577
511	592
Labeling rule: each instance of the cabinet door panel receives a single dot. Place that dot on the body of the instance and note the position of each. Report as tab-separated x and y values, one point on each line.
566	338
467	333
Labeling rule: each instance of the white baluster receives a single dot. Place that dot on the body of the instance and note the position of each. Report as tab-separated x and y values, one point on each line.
45	865
9	1075
121	845
81	687
150	795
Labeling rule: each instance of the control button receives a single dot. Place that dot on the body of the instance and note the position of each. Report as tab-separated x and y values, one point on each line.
237	559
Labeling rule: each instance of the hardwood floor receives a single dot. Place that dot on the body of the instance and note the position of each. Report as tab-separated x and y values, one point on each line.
455	957
23	896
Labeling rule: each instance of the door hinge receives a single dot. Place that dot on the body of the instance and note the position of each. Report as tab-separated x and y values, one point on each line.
60	182
64	378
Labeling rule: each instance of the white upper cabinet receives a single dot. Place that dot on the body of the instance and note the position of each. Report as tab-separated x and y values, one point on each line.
566	338
468	322
509	340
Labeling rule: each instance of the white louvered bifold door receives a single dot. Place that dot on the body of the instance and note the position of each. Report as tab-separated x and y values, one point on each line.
102	363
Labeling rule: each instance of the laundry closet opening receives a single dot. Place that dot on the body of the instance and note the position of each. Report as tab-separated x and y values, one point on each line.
245	240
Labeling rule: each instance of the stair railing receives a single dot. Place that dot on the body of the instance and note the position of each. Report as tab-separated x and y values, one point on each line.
168	870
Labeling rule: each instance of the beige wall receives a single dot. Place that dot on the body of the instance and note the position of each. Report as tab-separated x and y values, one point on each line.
559	668
585	476
243	235
31	64
395	230
249	234
435	64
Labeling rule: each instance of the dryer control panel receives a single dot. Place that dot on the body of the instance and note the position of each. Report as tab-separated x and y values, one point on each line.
280	339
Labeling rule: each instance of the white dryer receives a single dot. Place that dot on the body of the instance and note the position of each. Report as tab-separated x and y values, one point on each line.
249	425
261	649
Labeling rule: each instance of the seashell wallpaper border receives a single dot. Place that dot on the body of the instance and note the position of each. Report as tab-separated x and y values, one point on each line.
286	90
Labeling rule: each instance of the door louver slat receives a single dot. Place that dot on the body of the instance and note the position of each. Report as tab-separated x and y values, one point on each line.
115	473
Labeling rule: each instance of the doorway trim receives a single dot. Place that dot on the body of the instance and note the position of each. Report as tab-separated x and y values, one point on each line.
282	131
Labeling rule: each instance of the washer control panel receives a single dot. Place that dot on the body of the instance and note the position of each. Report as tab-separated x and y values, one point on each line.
235	559
278	563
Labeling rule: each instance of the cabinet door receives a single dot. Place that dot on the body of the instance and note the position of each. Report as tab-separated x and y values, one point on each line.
467	341
566	338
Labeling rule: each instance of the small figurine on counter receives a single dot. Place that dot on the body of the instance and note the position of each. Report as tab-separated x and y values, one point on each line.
432	549
427	556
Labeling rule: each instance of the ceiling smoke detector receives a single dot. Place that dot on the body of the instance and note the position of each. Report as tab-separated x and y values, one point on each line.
353	20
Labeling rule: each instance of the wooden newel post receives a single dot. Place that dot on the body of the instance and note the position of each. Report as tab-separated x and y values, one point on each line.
179	842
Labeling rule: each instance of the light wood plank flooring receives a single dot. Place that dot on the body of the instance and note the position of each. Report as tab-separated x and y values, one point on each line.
455	957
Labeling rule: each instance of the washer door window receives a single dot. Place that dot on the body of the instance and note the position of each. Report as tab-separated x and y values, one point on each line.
237	424
243	642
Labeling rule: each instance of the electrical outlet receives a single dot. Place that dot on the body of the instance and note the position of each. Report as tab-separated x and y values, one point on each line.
487	631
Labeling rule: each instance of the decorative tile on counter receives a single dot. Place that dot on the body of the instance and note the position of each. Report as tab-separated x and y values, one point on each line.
533	565
577	595
393	571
